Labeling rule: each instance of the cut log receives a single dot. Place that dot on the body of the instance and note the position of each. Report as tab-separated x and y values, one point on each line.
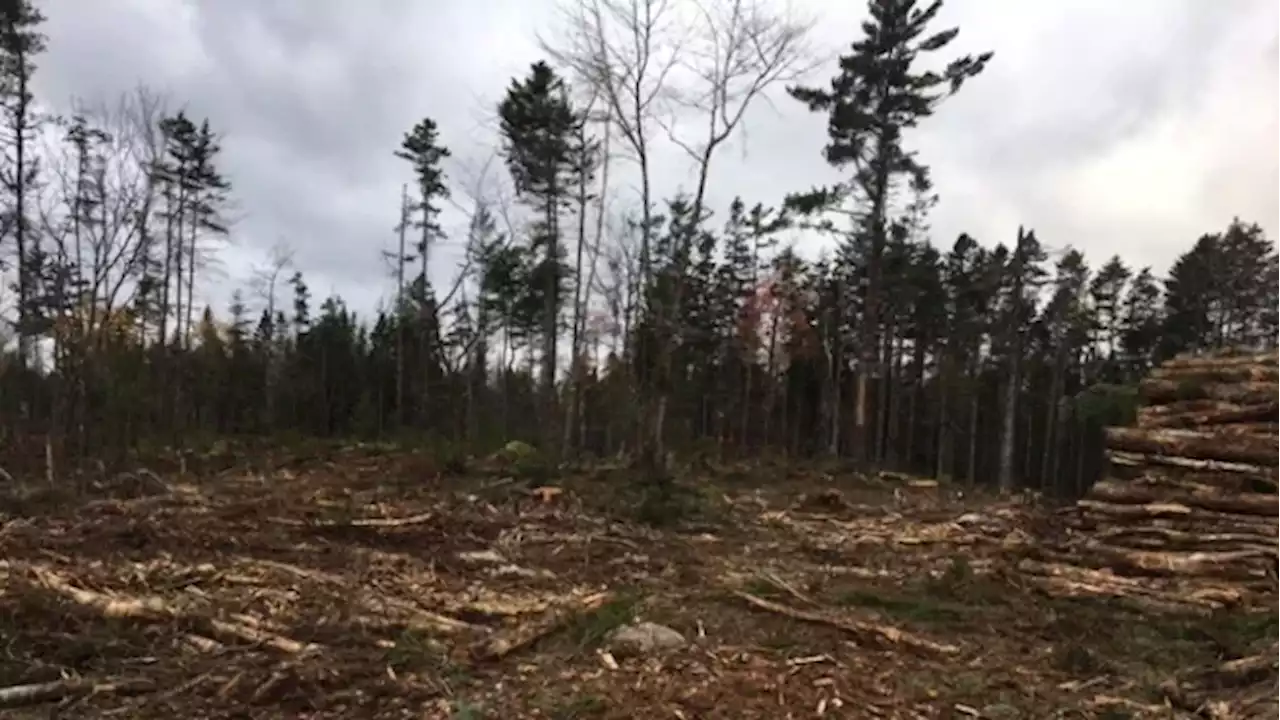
1191	495
1235	565
1213	412
1222	360
1150	469
1156	413
1157	391
15	696
1241	373
1189	505
1221	445
1176	513
874	634
1074	581
1190	463
1130	512
1158	538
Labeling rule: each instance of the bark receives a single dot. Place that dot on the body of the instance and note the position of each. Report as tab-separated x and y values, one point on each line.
1219	374
1193	413
1161	390
1232	565
1199	496
1233	447
1222	361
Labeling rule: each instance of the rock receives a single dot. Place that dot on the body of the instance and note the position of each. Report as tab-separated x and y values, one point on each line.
645	638
969	519
1001	711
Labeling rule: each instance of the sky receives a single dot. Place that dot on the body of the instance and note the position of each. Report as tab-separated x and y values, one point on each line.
1117	128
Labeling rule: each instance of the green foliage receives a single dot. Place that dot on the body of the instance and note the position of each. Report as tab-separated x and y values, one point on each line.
1108	405
587	630
754	349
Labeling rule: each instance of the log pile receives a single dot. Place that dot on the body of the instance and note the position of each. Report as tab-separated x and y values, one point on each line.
1189	504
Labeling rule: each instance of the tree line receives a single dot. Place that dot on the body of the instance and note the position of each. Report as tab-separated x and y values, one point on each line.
588	331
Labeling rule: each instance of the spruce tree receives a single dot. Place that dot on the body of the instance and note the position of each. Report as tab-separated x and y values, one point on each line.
879	94
422	149
20	41
539	126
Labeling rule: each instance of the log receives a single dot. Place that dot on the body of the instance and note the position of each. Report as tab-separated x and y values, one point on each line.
1213	412
1242	448
15	696
1074	581
1233	565
1263	481
1217	466
1177	513
1132	512
154	609
1238	373
1155	413
1159	538
1157	391
881	636
505	642
1191	495
1221	360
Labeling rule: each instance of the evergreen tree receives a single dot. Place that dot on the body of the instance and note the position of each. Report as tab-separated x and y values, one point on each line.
20	42
878	95
539	126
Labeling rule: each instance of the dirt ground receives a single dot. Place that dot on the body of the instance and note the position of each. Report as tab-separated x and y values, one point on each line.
365	584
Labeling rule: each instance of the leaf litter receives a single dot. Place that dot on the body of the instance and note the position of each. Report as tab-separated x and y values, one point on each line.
354	586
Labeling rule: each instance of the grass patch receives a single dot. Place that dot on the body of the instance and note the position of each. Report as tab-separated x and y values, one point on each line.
578	708
414	653
920	609
590	628
953	599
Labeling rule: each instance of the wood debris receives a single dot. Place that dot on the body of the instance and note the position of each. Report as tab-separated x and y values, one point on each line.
1191	491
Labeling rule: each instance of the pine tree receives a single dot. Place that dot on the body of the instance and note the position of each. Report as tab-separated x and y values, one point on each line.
539	129
877	96
422	149
20	42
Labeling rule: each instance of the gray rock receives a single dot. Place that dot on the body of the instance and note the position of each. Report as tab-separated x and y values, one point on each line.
645	638
1001	711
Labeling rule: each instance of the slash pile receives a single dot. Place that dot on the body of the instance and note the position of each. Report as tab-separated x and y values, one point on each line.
1189	502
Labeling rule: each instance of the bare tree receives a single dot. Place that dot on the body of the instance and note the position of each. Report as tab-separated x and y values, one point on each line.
737	51
266	279
95	206
624	52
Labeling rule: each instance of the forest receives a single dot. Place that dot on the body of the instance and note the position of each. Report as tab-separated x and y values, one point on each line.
673	330
635	454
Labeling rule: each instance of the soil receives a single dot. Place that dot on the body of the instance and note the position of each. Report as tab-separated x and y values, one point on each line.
363	582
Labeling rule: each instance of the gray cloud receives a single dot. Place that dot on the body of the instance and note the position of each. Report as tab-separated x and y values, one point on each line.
1119	128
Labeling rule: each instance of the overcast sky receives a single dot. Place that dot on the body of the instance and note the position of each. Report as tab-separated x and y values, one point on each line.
1117	127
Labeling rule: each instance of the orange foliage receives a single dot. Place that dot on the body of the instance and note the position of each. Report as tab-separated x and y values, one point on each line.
82	324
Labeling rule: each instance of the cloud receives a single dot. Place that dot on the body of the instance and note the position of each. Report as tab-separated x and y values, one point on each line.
1125	128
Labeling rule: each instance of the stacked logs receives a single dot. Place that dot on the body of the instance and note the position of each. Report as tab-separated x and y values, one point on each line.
1188	511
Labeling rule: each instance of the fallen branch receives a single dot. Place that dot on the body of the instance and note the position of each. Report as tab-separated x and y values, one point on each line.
154	609
16	696
357	522
502	644
878	635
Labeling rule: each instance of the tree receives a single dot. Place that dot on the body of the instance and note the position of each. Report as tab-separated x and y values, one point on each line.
421	148
875	98
20	42
738	51
539	129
